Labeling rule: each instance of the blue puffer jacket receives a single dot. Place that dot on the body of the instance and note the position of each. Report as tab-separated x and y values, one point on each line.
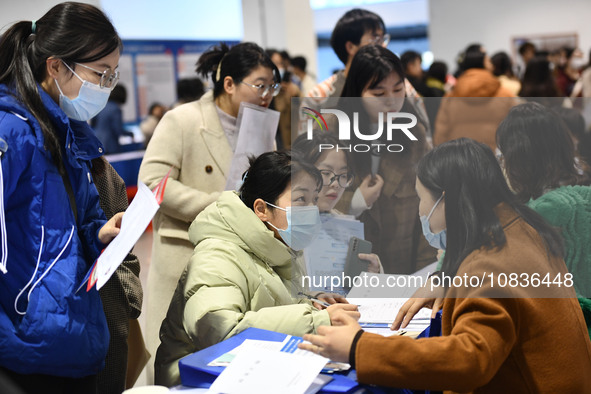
45	327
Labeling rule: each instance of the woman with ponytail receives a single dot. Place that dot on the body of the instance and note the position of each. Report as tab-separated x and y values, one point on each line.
55	74
197	140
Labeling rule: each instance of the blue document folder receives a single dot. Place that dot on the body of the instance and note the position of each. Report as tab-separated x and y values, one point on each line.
195	372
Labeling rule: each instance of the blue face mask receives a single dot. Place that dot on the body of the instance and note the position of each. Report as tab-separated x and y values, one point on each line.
303	225
438	241
90	101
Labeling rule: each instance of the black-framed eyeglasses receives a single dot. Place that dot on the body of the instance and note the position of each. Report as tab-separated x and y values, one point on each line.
109	78
263	89
328	177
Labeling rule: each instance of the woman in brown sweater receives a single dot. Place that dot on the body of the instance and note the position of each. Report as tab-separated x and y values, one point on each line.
497	335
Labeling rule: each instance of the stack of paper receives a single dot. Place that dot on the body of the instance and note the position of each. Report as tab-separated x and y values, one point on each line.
270	367
377	315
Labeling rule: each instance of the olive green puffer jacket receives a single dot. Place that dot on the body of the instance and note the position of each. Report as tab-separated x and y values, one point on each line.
239	276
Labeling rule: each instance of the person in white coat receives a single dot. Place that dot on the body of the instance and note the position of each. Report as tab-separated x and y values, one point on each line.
197	140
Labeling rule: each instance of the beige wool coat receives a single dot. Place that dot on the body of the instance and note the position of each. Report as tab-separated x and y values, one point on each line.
190	140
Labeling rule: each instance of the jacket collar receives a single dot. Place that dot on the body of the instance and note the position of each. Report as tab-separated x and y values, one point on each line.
506	214
231	220
77	136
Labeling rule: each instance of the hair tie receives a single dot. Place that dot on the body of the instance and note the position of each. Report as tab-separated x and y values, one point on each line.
240	183
33	27
219	70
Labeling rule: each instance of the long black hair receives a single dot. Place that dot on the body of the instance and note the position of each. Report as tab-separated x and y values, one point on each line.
72	32
538	80
270	174
468	172
538	151
237	62
371	65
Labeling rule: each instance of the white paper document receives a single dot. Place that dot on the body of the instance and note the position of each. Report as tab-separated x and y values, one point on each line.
326	255
257	127
256	370
225	359
387	285
384	310
135	220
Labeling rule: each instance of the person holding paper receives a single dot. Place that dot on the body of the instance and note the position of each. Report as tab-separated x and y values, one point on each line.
55	74
497	336
374	86
245	269
337	175
198	140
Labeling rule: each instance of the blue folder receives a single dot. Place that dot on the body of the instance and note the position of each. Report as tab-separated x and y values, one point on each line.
195	372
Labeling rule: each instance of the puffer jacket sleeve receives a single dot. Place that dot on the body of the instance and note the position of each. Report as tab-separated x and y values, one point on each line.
221	289
90	222
14	160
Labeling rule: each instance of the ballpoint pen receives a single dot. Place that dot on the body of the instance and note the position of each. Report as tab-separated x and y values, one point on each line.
314	299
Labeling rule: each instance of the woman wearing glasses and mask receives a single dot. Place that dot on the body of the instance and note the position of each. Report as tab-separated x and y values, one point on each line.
55	74
197	140
337	174
242	272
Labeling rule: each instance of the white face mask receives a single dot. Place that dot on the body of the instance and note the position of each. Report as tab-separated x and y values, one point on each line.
303	225
90	101
439	240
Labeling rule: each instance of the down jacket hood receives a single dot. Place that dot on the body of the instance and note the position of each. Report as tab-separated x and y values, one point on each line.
229	219
477	82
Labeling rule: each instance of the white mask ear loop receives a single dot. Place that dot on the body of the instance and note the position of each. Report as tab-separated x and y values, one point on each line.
271	224
434	206
73	72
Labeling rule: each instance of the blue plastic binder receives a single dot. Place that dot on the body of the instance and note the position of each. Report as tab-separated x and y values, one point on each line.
195	372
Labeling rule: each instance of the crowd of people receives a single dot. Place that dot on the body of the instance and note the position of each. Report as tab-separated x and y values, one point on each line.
492	176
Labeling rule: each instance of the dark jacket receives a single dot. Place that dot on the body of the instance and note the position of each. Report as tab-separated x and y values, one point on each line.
108	125
122	295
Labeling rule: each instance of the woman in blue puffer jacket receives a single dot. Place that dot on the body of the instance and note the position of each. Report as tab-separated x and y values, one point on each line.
55	74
